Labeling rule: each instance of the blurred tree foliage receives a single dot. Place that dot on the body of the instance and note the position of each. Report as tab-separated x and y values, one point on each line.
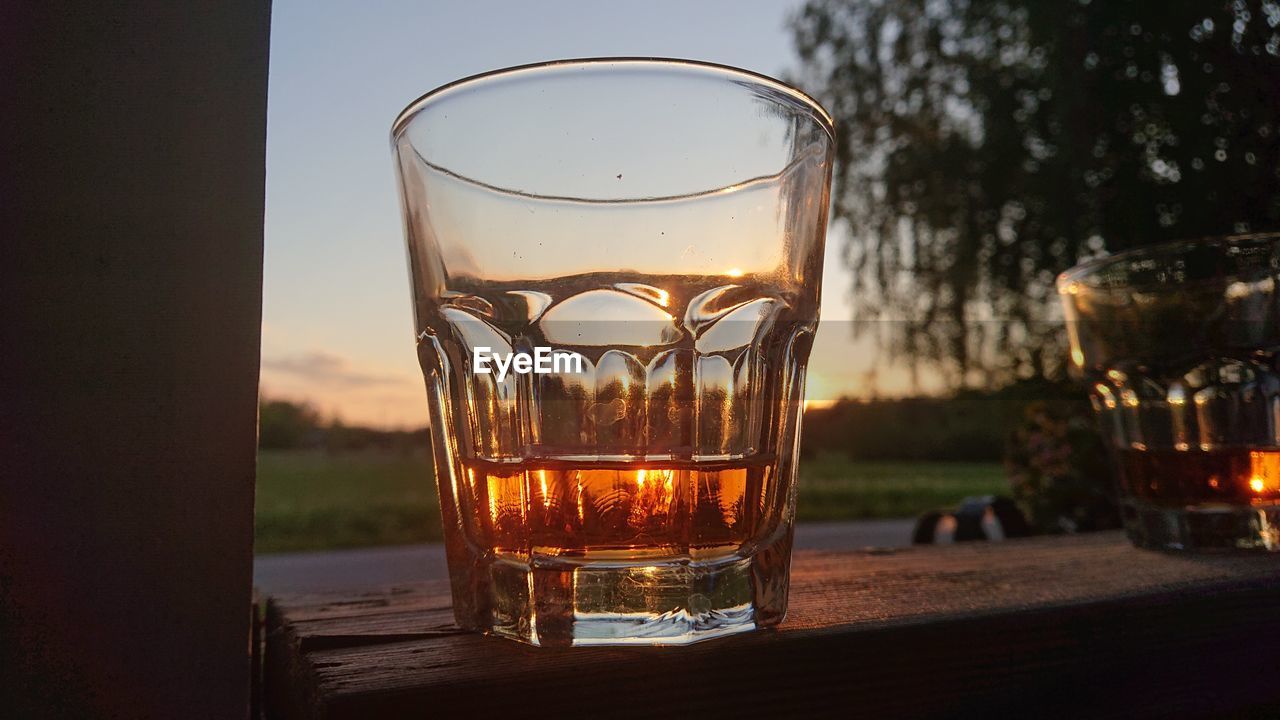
285	425
986	145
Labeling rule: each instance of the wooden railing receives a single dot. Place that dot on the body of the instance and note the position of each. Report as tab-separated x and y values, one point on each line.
1079	626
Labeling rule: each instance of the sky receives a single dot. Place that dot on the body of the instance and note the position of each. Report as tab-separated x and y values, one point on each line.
337	330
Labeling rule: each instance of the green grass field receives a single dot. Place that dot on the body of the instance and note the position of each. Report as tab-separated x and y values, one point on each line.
312	500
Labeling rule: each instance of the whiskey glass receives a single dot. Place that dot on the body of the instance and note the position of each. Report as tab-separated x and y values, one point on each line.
1180	345
662	222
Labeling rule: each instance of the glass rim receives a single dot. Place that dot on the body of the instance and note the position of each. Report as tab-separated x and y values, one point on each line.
437	94
1077	273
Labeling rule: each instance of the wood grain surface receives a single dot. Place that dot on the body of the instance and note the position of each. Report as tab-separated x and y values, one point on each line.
1083	626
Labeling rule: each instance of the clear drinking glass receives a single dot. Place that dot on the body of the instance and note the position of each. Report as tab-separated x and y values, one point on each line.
663	222
1180	345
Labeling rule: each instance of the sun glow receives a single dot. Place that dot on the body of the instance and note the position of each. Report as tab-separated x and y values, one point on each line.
546	496
1264	475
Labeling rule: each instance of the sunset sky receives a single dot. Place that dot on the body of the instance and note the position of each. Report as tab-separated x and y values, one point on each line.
336	314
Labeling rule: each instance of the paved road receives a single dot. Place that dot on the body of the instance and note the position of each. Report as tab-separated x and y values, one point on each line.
346	569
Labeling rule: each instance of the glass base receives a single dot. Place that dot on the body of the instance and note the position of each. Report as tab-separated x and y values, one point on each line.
557	602
1203	527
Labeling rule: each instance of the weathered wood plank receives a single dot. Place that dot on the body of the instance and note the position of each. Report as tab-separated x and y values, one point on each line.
1069	627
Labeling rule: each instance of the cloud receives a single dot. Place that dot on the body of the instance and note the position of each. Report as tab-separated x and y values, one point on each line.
324	368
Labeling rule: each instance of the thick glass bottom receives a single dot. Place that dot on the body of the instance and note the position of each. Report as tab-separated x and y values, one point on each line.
1208	526
558	602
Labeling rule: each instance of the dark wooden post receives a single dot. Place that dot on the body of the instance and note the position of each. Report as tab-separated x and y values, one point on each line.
132	140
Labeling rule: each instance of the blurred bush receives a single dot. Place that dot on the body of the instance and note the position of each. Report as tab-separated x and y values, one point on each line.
1058	470
287	425
1043	431
968	426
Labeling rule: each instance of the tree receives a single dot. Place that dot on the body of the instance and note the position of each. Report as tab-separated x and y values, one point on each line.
286	425
986	145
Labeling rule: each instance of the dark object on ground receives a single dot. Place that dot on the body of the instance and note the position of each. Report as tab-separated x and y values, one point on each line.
1057	627
986	517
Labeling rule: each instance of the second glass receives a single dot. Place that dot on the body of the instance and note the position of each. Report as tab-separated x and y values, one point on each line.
1180	345
648	236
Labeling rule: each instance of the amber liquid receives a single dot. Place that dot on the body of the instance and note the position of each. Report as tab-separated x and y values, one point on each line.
596	510
1192	477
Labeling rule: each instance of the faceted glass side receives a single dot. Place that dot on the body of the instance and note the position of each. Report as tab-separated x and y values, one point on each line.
647	498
